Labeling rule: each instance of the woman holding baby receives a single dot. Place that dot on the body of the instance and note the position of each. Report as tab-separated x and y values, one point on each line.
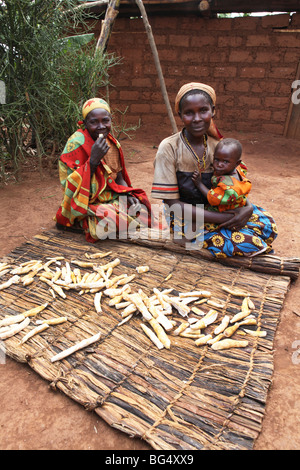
187	180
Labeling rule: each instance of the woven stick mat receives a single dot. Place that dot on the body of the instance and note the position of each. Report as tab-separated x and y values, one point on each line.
185	397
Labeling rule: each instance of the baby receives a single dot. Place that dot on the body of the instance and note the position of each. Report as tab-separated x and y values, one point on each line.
230	187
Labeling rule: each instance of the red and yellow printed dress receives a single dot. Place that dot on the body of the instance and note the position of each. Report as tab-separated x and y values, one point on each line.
227	192
94	202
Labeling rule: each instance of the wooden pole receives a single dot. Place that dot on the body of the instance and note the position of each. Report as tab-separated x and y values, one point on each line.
204	8
291	105
157	64
91	4
107	24
106	29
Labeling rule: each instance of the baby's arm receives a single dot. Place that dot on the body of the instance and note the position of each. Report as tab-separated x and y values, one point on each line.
198	183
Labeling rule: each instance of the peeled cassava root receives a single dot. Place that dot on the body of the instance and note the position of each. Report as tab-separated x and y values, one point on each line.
228	343
82	344
62	276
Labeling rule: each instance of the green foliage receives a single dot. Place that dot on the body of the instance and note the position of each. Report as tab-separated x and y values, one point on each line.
48	71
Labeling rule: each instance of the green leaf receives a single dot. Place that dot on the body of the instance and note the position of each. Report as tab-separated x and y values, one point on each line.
78	40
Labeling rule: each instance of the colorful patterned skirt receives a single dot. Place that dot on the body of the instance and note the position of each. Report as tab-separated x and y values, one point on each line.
256	237
101	214
113	219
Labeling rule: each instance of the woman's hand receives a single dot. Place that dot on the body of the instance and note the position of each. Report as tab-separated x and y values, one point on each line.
99	150
240	217
133	204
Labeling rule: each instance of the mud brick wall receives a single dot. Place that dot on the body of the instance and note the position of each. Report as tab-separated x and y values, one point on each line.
248	60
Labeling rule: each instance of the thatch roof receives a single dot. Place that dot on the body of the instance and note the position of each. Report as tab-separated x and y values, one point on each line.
203	7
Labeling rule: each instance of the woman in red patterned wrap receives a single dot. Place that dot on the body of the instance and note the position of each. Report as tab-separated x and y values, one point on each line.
94	177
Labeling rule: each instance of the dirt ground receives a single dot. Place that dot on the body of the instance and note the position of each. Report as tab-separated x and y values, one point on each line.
34	417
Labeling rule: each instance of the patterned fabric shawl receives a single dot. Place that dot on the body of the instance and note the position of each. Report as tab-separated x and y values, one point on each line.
83	192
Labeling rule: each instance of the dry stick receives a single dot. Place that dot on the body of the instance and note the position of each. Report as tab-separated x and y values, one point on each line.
107	24
175	399
157	64
92	4
89	4
270	264
291	105
240	396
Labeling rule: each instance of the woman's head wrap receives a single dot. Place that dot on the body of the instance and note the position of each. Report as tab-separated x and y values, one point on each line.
194	86
94	103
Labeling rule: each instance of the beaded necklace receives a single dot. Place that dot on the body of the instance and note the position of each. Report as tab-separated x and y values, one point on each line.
194	153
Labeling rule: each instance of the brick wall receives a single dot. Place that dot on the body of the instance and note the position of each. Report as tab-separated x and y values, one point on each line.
249	62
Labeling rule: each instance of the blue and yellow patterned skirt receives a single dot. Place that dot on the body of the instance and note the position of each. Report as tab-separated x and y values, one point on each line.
256	237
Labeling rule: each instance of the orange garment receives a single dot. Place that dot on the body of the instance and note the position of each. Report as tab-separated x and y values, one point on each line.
228	192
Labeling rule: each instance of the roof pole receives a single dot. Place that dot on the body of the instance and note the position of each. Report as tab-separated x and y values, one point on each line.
107	24
157	64
111	13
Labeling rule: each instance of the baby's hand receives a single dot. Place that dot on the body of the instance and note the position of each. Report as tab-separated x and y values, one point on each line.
196	178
